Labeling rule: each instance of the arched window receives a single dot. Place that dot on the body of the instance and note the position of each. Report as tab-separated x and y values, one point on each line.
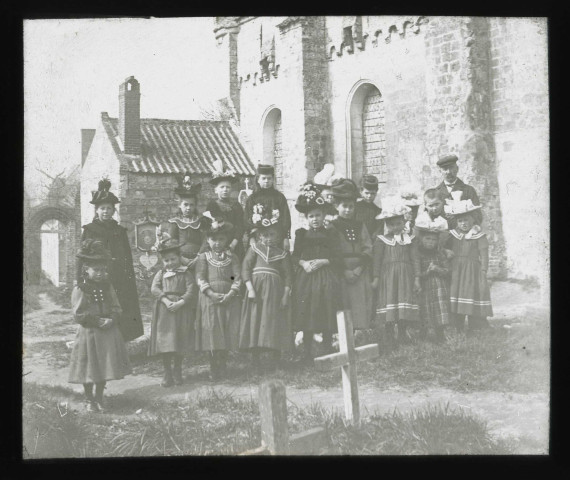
366	152
50	250
272	145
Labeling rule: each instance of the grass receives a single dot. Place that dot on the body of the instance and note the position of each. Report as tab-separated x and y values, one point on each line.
501	360
219	424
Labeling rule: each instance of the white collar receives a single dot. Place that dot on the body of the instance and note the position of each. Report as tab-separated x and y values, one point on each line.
401	239
269	256
472	234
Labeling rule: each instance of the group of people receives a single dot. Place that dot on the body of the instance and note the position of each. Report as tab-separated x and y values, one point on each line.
230	282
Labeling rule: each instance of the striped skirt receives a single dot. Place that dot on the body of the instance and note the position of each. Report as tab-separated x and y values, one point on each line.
396	299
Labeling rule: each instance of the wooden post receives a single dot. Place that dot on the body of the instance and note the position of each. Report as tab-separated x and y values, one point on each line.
273	411
349	379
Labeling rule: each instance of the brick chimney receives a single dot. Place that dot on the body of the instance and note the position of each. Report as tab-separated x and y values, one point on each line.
130	116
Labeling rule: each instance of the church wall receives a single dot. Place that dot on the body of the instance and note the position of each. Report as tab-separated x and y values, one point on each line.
519	70
397	69
448	85
284	92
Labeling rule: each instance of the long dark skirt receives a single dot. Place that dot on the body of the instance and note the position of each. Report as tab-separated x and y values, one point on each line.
316	299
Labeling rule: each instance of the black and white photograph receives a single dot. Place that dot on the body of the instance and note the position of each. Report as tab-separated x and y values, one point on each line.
286	236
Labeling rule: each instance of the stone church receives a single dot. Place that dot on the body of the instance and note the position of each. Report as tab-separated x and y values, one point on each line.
388	96
369	94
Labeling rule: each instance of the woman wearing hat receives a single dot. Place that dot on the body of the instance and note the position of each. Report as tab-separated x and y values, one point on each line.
265	194
218	274
224	208
172	325
121	270
469	291
317	258
356	248
99	352
189	227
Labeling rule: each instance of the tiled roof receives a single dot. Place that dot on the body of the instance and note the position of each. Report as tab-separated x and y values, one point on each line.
178	146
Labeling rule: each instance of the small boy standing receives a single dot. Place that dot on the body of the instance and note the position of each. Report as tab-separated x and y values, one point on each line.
434	273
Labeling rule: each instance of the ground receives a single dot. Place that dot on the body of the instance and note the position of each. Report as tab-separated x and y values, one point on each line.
500	377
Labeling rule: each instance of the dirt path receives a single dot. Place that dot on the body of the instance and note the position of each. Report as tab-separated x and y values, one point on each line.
522	416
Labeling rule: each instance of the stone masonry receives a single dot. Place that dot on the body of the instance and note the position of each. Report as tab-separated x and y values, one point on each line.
442	84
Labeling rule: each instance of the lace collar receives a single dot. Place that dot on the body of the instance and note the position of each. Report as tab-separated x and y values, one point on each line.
472	234
219	260
401	239
183	224
269	254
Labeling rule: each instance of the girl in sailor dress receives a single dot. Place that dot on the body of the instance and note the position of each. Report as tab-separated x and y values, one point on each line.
469	291
218	274
171	329
395	275
267	274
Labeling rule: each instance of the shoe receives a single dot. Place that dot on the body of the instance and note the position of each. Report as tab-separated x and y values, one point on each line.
92	406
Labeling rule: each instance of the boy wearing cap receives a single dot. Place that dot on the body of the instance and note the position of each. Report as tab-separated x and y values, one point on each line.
366	210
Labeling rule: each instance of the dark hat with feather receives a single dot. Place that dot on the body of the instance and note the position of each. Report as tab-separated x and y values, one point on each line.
185	187
220	175
310	199
94	251
102	194
217	224
344	189
168	245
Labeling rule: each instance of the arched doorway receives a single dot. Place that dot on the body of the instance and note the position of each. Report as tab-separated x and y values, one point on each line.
50	245
366	142
272	144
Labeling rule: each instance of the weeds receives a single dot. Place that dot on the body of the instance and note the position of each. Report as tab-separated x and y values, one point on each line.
219	424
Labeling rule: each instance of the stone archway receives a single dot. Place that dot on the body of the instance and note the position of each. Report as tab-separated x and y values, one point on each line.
366	144
50	220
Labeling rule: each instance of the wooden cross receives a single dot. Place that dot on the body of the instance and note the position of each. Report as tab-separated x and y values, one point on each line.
347	358
275	439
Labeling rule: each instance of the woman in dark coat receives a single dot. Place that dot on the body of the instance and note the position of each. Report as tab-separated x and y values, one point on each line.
121	271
